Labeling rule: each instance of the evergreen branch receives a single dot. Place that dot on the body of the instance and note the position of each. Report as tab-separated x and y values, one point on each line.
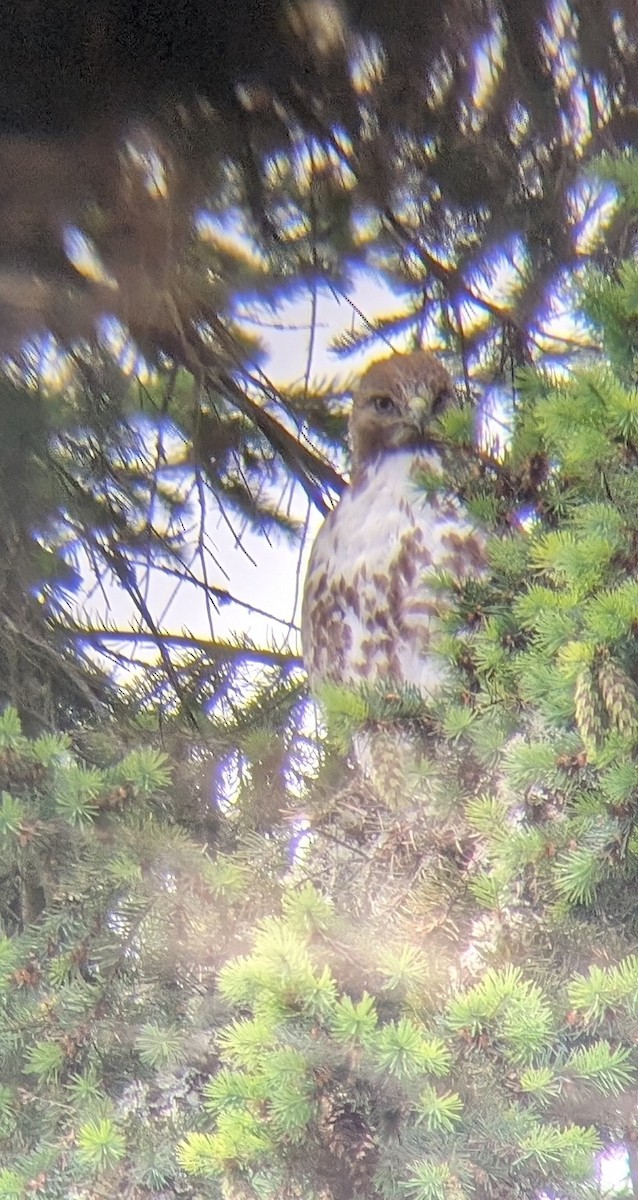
307	467
215	651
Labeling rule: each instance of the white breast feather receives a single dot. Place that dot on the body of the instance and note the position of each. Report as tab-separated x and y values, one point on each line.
370	609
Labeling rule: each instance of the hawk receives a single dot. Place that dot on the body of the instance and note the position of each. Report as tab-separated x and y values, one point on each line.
371	605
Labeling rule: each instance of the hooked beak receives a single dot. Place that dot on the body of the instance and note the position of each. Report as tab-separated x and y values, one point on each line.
420	408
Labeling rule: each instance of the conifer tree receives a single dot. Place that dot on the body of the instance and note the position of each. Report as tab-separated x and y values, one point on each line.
435	998
444	1005
436	1001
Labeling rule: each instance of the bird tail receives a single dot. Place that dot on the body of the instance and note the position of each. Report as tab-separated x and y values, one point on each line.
386	757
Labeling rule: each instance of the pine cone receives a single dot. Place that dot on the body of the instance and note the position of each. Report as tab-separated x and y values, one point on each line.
589	713
619	695
349	1151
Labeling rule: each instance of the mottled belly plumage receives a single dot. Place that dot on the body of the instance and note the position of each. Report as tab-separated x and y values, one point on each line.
371	605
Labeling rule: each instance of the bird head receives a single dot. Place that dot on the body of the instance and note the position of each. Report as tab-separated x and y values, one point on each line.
396	405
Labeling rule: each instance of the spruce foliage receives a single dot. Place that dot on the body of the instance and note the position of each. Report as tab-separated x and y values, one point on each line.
115	921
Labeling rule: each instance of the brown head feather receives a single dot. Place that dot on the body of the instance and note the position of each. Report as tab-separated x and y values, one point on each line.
396	405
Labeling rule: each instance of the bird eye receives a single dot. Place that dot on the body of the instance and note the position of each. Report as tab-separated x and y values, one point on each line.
382	404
